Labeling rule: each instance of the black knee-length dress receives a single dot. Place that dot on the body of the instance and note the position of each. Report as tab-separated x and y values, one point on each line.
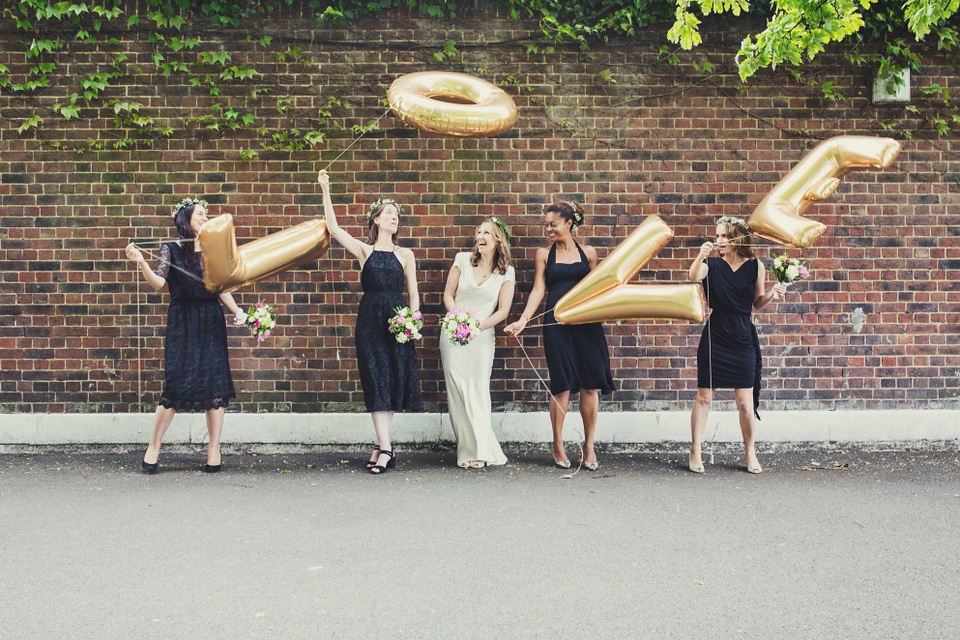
195	363
729	353
389	373
577	354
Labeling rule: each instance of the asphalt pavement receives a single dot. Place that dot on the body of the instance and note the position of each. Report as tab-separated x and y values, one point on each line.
823	544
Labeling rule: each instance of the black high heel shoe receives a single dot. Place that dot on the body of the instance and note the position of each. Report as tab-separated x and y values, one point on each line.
212	468
149	468
372	463
391	463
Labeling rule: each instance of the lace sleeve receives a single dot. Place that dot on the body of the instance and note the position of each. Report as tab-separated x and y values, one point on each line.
163	267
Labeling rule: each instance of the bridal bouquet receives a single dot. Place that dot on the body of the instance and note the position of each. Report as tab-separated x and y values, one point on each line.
406	324
460	326
261	319
788	270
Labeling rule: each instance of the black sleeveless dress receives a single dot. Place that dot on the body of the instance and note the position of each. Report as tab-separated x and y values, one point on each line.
195	362
577	354
389	373
729	353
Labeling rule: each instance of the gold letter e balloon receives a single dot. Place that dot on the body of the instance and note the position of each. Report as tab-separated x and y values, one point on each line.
605	295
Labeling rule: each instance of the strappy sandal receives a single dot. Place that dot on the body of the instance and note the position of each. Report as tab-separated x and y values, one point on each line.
379	468
371	463
561	464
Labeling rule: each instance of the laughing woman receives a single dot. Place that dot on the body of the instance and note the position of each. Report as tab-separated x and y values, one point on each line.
481	282
578	358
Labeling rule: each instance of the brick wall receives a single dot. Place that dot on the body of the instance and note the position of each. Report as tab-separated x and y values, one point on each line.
876	327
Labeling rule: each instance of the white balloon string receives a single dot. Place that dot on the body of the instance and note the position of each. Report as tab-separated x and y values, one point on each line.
554	400
136	276
377	121
172	266
336	313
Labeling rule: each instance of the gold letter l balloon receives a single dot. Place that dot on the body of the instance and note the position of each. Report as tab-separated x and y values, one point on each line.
779	216
604	295
227	266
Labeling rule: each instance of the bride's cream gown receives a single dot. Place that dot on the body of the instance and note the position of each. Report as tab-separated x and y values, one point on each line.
467	369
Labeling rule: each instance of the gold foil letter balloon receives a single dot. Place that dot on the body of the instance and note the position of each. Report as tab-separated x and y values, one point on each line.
452	104
604	295
778	217
227	266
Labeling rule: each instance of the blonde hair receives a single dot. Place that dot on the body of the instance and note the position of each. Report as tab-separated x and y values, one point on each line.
501	255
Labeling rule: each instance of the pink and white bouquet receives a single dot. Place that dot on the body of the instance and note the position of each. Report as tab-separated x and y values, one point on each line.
788	270
405	325
261	319
460	326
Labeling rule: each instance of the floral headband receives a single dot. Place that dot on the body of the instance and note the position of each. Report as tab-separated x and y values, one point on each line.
186	202
737	222
577	213
503	228
382	201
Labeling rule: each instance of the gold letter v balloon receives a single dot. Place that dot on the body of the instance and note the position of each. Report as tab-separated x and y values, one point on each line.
605	295
452	104
779	216
227	266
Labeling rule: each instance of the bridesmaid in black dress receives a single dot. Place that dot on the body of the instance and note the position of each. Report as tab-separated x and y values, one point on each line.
578	358
196	367
729	351
389	373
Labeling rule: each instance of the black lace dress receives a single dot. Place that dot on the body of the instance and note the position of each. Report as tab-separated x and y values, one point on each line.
577	354
729	353
389	373
195	363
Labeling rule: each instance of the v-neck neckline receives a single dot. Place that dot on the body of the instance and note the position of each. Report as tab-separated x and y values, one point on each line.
732	270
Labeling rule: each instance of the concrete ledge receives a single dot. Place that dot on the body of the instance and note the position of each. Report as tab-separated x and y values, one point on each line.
656	429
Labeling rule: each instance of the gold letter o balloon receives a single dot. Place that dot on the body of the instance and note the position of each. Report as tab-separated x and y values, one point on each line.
452	104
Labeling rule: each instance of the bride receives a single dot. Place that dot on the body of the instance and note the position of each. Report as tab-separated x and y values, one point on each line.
481	282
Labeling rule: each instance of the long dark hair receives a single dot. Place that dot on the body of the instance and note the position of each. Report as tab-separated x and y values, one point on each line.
187	237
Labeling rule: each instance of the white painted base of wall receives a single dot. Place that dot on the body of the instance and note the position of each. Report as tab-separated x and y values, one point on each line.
659	429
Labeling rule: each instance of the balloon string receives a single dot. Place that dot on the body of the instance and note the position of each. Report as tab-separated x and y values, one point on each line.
377	121
173	266
553	399
336	311
136	275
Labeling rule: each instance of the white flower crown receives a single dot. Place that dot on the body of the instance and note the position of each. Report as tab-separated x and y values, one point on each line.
737	222
383	201
186	202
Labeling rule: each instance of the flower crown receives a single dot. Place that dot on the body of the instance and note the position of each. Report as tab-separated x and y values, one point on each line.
186	202
382	201
577	213
503	227
737	222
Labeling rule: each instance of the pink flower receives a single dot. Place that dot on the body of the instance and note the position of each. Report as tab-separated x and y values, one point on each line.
256	325
803	272
259	305
417	315
261	338
266	334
